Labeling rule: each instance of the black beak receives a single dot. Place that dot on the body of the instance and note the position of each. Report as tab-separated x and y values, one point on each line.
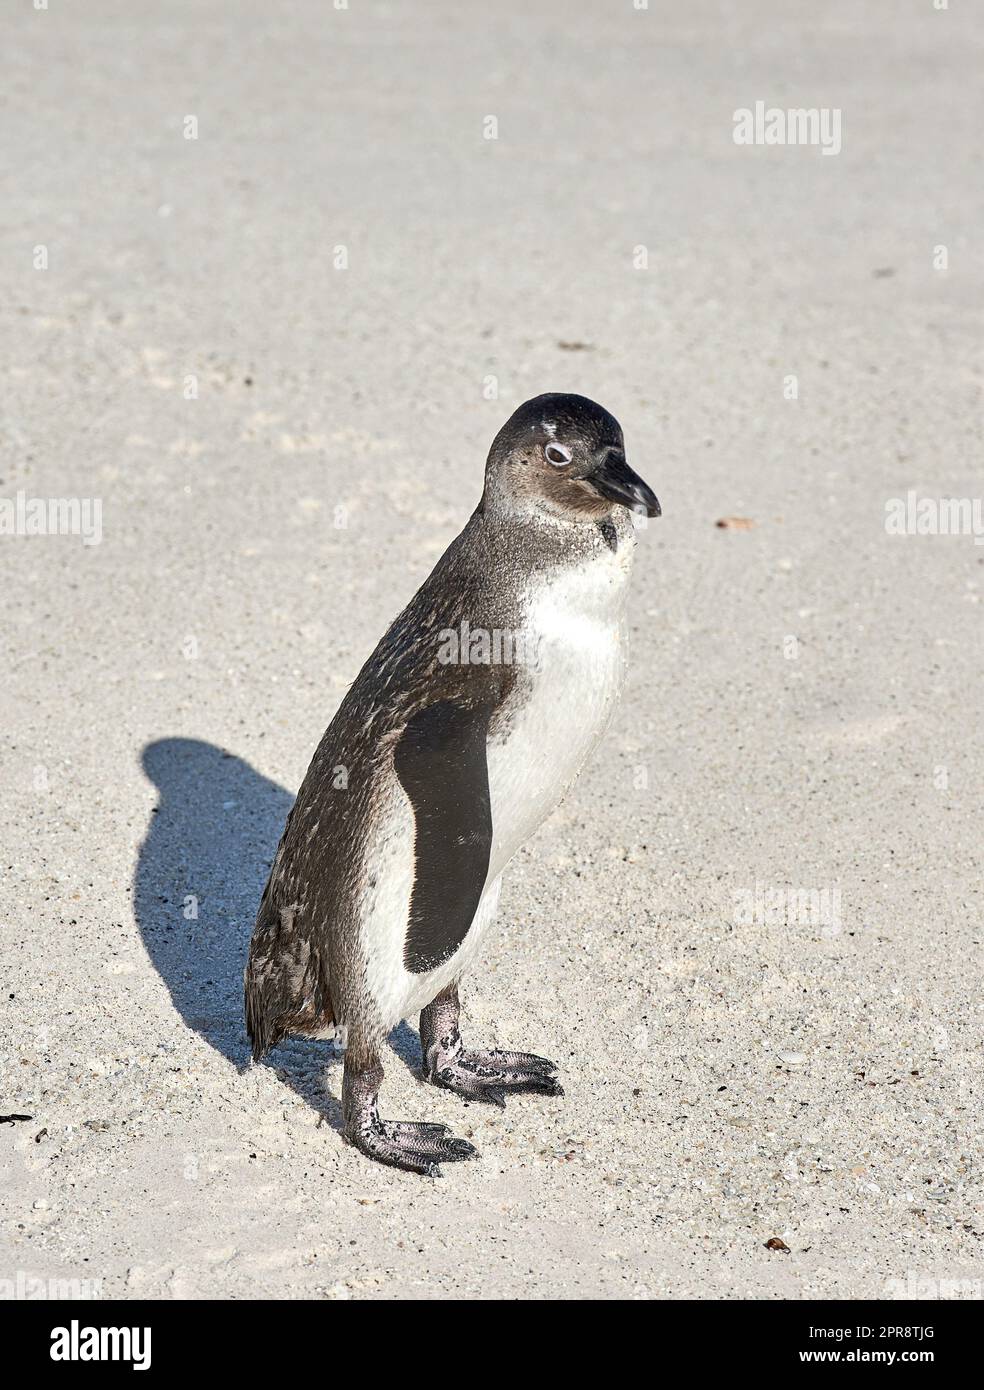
614	479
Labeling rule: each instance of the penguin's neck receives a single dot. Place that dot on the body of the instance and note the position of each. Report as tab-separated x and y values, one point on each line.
546	541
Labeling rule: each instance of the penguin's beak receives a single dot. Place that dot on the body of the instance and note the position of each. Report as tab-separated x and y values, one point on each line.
613	478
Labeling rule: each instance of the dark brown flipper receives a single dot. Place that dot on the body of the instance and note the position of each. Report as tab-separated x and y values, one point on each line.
441	763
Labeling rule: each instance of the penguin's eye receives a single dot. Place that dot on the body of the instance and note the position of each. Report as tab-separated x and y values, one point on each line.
558	454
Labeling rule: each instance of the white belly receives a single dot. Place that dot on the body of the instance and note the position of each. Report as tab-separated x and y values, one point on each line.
399	993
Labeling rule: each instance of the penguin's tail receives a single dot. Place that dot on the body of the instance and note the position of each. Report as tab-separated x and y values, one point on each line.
285	989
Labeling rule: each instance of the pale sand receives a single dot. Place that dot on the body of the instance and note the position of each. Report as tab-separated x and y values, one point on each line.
226	610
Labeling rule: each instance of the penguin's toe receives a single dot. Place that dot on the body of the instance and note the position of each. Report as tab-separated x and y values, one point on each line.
517	1061
476	1088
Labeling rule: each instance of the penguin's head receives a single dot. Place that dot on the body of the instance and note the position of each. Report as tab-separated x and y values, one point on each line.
565	455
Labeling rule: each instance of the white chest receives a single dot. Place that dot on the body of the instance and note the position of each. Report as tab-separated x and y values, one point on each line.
564	696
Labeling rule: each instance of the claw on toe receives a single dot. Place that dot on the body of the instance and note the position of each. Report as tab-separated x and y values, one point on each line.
484	1094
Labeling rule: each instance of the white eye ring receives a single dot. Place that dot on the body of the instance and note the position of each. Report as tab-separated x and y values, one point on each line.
558	454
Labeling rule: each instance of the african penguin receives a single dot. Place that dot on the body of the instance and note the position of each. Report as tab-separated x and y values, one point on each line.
459	736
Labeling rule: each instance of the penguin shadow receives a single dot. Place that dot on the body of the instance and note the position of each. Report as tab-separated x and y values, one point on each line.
200	873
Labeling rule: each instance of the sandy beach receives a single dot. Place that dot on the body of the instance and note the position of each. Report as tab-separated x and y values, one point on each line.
272	278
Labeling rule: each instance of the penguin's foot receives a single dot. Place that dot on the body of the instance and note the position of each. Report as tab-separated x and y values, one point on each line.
486	1075
417	1148
407	1144
489	1074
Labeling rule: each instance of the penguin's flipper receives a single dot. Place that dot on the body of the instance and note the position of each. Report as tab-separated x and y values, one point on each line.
441	762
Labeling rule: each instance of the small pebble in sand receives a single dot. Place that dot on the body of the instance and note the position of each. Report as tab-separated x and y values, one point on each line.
792	1059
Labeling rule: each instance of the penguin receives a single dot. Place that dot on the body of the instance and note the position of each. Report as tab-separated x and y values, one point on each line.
459	736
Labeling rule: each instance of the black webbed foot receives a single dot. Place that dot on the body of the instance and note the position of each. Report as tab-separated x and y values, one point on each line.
417	1148
488	1075
411	1145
